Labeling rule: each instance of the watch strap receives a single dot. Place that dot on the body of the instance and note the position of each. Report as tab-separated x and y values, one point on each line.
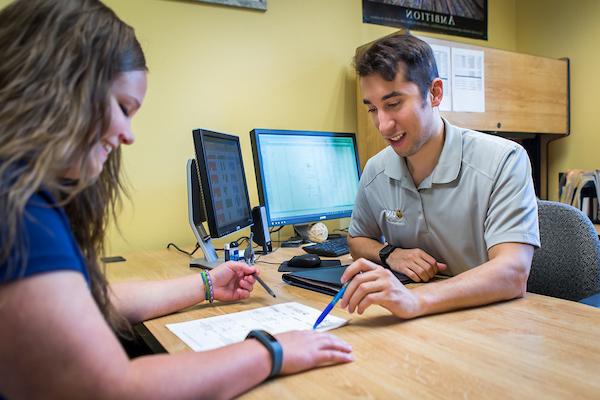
384	253
272	345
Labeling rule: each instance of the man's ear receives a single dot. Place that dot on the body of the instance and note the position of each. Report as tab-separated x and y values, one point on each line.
436	92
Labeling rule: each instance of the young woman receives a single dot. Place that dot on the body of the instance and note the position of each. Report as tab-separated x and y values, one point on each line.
72	76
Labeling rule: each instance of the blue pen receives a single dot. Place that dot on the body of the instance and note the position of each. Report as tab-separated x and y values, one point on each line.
330	306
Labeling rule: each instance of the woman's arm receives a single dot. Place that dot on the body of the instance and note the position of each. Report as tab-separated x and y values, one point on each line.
140	301
55	344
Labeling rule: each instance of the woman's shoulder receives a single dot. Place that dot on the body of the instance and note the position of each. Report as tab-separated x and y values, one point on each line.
44	221
45	242
44	205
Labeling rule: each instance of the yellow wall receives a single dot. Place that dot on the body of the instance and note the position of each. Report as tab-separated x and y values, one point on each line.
557	28
231	70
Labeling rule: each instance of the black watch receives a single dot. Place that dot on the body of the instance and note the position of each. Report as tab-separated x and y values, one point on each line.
275	350
385	253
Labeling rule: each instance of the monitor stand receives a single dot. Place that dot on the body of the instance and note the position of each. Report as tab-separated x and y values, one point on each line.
302	231
210	259
196	215
205	264
300	238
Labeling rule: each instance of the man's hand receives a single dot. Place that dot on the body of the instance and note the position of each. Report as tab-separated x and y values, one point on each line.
414	263
373	284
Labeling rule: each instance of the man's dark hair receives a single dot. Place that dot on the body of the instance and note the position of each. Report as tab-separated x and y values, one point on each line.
384	56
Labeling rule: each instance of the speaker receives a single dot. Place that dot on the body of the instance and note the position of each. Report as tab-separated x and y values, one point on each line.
260	229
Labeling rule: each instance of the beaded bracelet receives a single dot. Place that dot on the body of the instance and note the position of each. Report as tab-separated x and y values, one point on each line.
206	285
210	285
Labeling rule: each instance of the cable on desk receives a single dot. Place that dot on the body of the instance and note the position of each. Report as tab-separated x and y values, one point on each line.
183	251
265	262
273	230
241	240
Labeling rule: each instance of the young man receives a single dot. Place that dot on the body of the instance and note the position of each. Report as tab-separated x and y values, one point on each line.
444	199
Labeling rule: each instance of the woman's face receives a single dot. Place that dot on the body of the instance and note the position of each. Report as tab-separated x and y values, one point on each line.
126	96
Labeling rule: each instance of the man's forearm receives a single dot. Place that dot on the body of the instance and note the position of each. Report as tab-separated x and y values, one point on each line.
502	278
363	247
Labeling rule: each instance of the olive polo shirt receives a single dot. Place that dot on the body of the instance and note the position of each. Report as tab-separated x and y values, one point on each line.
479	194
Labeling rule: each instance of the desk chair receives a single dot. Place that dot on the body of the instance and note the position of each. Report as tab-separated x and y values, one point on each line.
567	265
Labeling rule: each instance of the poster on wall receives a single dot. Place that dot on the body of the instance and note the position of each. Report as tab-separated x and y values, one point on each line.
256	4
458	17
468	80
444	66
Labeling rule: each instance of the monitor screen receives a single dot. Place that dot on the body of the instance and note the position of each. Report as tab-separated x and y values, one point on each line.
305	176
223	182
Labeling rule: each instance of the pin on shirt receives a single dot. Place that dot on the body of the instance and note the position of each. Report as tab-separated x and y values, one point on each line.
395	217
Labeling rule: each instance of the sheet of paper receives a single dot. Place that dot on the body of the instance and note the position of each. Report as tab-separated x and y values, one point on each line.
442	60
468	80
213	332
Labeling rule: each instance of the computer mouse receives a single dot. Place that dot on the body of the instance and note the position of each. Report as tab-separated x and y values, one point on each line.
305	260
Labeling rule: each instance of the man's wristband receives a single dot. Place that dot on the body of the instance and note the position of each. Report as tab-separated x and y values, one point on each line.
385	253
272	345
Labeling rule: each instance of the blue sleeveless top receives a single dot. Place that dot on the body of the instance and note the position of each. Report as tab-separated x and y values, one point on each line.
49	242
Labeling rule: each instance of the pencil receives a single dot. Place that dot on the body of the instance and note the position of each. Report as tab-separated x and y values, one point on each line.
263	284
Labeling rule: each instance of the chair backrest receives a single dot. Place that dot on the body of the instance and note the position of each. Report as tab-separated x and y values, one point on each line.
567	265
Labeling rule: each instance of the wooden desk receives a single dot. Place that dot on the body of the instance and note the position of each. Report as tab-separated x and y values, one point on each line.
530	348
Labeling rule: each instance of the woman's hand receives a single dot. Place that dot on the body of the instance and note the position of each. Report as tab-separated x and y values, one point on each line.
304	350
233	280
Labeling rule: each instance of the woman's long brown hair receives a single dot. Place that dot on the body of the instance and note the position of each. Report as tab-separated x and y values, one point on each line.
58	59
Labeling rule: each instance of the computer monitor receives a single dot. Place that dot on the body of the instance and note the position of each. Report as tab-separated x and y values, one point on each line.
220	195
305	176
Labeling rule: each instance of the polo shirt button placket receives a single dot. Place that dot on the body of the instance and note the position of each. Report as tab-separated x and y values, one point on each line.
423	225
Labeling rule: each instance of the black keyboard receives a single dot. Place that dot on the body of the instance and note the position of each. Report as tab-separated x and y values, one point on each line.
329	248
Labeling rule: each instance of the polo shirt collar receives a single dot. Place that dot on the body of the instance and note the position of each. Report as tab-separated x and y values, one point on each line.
447	168
395	166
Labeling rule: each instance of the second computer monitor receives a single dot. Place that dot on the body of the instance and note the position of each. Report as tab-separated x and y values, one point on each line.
305	176
222	181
